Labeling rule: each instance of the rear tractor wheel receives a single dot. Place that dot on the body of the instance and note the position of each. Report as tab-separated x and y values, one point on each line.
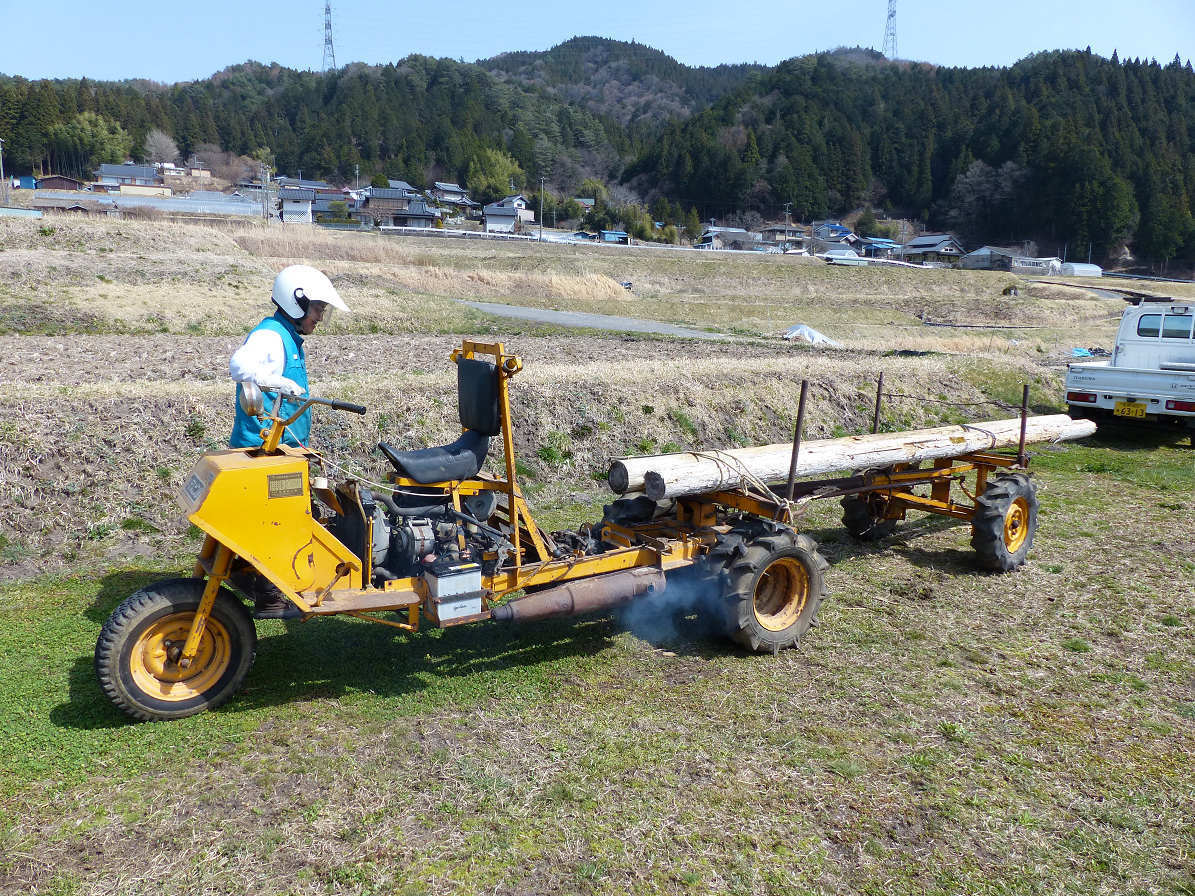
1005	522
137	654
772	589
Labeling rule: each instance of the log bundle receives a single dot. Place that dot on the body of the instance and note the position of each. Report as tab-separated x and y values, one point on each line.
677	475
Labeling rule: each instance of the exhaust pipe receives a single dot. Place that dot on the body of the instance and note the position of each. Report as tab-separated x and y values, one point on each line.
583	596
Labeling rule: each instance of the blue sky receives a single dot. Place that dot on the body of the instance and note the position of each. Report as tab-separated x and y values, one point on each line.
182	41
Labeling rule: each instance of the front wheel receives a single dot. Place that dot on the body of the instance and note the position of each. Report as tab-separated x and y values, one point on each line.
136	656
773	589
1005	522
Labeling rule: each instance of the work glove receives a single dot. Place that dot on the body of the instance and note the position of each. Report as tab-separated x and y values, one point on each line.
285	385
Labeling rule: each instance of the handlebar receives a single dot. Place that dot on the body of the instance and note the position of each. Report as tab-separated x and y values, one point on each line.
308	400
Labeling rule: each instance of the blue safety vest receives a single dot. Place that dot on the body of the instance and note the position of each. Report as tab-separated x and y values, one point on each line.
246	430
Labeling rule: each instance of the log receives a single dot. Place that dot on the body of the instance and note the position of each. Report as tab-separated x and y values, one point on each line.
676	475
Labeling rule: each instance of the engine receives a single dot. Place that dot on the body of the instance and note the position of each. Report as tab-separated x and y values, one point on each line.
411	537
415	534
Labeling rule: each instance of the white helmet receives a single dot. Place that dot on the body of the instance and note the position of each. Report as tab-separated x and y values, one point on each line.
299	285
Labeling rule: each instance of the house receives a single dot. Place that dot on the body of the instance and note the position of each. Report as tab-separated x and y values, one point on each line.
403	186
302	184
128	173
519	203
499	218
72	206
295	205
418	214
29	182
826	236
394	207
876	247
833	232
716	237
614	236
585	202
452	194
57	182
932	248
198	172
997	258
786	236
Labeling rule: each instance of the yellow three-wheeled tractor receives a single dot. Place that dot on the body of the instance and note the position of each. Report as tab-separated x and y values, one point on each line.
447	543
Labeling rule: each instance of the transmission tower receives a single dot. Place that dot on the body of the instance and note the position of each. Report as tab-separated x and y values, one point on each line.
329	50
889	31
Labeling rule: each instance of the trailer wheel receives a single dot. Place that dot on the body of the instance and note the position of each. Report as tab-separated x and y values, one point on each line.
136	656
863	518
1005	522
772	590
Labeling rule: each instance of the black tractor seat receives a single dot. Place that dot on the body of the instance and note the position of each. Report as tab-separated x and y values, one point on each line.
460	460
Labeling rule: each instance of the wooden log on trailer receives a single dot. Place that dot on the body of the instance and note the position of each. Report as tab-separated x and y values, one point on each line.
677	475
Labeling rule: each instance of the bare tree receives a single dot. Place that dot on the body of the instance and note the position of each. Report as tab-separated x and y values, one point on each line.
160	147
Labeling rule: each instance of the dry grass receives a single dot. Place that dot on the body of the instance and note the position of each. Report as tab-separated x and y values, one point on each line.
940	732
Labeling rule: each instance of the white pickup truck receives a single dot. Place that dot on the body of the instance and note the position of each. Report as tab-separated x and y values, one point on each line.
1151	374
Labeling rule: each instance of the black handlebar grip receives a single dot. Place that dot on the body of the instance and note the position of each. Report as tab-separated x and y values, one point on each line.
349	406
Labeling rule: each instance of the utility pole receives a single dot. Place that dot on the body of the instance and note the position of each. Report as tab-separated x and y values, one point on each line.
3	179
787	218
265	194
541	209
356	177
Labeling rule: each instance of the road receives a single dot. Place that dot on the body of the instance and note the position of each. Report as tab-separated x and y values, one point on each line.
593	321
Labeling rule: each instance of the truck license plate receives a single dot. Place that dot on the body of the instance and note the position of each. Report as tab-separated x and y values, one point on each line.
1129	409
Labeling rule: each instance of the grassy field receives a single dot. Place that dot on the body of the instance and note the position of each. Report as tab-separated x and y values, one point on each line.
941	731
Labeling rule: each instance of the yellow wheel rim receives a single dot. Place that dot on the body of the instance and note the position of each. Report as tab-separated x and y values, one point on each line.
781	594
154	658
1016	525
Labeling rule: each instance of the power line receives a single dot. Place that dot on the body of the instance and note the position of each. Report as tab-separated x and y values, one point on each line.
890	31
329	50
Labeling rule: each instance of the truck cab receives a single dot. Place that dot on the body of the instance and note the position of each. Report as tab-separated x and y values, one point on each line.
1151	373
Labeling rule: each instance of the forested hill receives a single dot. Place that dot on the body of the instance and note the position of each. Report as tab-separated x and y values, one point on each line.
1063	146
417	120
628	82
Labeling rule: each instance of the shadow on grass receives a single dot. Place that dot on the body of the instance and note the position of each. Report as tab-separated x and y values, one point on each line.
335	656
836	544
1123	435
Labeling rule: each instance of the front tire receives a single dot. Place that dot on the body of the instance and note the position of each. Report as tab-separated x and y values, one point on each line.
137	651
1005	522
772	590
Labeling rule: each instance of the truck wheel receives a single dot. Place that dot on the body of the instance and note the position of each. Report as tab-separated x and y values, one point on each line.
772	590
863	518
1005	522
136	656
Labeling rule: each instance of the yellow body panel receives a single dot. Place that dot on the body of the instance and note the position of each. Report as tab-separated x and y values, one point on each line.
259	507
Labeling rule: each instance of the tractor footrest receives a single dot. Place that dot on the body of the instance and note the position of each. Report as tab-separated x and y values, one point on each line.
366	600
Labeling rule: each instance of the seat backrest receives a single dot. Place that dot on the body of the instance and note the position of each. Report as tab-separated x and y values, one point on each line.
477	387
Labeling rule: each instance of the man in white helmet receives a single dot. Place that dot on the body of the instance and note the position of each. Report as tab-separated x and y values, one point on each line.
272	355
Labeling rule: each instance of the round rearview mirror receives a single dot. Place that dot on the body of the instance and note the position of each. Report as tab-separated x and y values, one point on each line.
251	399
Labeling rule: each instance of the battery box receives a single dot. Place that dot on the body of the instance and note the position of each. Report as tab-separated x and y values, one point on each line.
455	591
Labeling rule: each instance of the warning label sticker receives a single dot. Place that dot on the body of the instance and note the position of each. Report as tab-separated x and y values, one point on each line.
286	485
